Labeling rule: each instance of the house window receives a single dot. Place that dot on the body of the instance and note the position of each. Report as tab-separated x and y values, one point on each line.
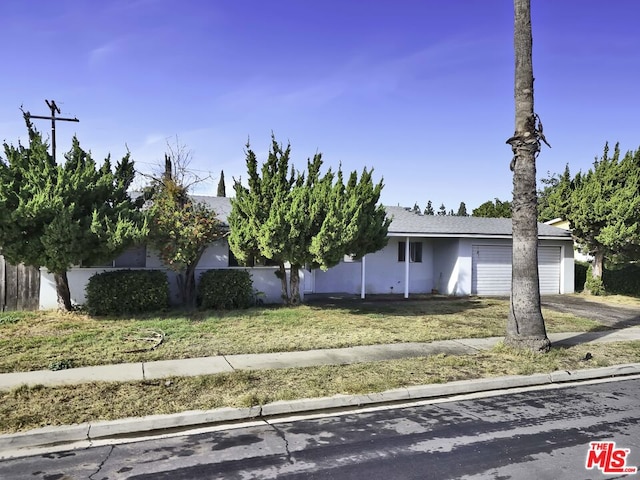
351	259
133	257
415	251
233	261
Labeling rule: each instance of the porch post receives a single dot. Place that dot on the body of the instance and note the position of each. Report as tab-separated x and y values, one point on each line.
406	268
363	277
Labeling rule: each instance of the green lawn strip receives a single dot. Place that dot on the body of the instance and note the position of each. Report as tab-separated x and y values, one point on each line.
39	340
26	408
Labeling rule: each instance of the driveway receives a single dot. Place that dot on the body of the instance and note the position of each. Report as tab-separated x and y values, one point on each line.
612	315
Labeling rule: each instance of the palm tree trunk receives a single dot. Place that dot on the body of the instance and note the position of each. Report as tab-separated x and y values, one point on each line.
525	324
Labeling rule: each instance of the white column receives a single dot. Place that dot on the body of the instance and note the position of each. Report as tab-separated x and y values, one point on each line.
406	268
363	277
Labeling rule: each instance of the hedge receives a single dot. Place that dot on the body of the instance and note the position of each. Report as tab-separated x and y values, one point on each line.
127	291
623	280
225	289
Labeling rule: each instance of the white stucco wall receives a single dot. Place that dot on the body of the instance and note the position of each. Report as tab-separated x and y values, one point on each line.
384	273
567	269
446	267
343	278
78	278
215	256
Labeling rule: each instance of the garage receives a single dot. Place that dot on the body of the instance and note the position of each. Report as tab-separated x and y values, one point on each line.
491	269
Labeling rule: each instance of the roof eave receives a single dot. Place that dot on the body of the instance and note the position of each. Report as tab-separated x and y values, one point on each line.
470	235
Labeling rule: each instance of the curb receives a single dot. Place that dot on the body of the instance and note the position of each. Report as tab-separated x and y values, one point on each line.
84	435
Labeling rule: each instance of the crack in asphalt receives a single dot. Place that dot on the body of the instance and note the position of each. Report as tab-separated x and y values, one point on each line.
280	434
89	437
111	449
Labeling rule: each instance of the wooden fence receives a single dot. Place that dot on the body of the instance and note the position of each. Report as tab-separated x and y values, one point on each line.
19	287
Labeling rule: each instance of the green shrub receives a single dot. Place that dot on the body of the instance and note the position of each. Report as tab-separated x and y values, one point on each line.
127	291
225	289
623	280
580	269
594	285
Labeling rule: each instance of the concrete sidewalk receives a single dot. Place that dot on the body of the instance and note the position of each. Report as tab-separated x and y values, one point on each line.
48	440
129	372
61	438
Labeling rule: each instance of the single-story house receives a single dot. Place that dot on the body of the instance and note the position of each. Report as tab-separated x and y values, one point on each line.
425	254
577	248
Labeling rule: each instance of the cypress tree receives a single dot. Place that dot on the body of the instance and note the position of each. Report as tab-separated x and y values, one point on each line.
554	198
462	210
428	210
304	218
222	190
57	216
604	209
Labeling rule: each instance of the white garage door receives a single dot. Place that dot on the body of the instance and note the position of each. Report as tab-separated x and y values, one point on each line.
491	269
549	269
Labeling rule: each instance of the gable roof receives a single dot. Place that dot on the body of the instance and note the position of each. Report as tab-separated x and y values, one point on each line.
404	222
220	205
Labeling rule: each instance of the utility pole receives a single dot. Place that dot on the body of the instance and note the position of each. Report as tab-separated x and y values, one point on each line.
54	108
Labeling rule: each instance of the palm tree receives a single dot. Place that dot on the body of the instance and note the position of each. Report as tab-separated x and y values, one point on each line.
525	325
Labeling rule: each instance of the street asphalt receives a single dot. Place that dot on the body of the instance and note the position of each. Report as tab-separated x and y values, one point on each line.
83	435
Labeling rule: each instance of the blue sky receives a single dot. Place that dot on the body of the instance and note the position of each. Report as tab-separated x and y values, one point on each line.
420	90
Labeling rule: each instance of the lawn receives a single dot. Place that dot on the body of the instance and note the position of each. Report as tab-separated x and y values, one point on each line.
615	299
42	340
26	408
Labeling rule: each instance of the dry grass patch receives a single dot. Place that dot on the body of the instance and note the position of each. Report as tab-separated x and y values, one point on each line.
41	340
27	408
612	299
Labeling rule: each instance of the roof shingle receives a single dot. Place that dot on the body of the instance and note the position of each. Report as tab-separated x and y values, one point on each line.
406	221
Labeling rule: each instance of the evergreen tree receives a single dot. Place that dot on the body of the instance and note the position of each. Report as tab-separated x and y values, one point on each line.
303	218
428	210
554	198
462	210
222	190
604	209
442	211
496	209
56	216
416	208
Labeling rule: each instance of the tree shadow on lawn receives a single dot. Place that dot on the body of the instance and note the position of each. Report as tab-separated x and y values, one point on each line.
600	332
397	305
373	305
611	318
